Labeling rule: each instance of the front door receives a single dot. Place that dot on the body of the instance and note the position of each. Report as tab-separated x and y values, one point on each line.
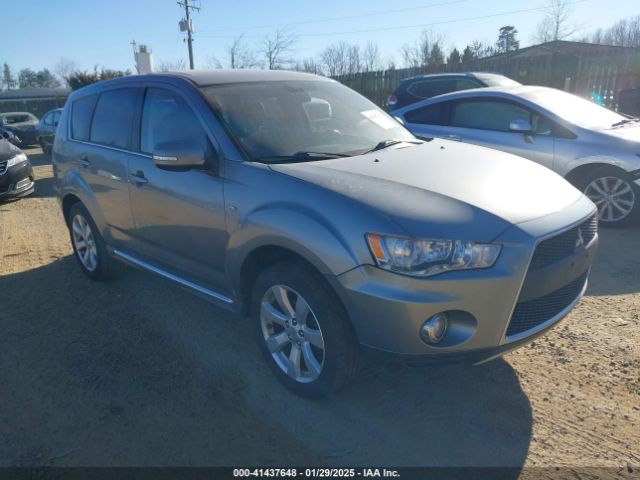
179	215
486	122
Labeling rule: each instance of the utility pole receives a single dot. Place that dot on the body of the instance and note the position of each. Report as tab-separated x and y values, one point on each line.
185	25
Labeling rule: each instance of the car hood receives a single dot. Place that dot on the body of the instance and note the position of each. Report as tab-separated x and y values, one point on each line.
443	187
629	132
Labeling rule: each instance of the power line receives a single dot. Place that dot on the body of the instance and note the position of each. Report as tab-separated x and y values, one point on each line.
349	17
185	24
422	25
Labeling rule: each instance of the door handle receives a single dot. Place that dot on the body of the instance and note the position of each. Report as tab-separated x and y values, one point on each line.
138	178
455	138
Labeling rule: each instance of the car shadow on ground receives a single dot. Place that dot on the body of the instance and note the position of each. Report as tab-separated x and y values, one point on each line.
138	372
616	268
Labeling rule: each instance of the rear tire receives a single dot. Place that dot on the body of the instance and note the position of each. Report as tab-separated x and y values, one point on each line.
614	193
303	330
89	247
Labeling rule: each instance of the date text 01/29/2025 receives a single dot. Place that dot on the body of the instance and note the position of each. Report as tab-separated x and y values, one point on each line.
315	472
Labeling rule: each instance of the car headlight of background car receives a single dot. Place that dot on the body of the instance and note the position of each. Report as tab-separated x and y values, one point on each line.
427	257
20	158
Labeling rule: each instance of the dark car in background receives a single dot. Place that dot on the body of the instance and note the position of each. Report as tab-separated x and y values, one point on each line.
16	172
414	89
47	129
9	135
22	124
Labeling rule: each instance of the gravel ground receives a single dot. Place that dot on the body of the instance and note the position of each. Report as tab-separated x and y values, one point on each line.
138	372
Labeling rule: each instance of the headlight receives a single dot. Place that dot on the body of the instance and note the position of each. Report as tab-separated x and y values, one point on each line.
16	160
426	257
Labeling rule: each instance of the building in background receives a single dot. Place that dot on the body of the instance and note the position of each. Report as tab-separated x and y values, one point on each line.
33	99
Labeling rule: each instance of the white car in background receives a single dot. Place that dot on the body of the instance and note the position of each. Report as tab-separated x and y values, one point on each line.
596	149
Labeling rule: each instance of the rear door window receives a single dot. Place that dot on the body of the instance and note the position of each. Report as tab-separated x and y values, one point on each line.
113	118
81	111
429	115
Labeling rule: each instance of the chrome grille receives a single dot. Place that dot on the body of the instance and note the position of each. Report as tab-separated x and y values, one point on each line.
530	314
563	245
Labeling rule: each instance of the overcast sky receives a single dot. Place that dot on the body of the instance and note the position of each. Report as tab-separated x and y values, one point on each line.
36	33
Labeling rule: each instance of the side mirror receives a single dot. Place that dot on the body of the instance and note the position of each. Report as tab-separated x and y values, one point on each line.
179	154
520	126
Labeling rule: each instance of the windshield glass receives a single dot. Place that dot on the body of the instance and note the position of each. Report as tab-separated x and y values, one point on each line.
576	110
291	118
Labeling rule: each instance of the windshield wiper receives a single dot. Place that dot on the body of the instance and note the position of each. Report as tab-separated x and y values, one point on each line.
300	157
389	143
625	121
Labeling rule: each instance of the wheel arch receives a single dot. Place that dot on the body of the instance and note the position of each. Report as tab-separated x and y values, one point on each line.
574	175
266	255
75	189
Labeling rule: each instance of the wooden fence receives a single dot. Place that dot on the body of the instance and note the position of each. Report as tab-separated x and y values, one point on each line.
593	75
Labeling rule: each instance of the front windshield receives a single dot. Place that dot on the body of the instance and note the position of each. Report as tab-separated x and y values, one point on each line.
272	120
577	110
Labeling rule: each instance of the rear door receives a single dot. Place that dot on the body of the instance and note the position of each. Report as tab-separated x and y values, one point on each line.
179	215
101	126
428	120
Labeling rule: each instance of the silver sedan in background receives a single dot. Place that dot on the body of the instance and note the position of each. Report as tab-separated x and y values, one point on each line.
596	149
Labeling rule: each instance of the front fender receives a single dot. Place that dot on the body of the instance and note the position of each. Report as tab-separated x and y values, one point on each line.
307	234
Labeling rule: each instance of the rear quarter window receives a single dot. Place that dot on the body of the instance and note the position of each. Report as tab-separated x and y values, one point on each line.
81	111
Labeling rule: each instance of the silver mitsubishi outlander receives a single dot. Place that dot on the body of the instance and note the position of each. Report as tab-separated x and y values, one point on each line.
292	200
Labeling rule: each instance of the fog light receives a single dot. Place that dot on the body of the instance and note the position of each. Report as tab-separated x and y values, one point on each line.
434	328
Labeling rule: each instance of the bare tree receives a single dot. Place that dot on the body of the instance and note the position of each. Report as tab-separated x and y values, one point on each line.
481	49
371	57
418	54
172	66
309	65
240	55
354	64
64	67
624	33
334	58
277	48
555	25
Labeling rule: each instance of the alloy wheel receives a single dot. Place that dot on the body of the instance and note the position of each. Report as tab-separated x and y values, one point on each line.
292	333
613	196
84	243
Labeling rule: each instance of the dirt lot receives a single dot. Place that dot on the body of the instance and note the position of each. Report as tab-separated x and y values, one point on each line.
138	372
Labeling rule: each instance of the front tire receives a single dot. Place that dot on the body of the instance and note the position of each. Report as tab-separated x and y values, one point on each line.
614	193
303	331
89	247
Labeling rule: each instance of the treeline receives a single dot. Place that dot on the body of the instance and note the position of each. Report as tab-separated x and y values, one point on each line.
66	75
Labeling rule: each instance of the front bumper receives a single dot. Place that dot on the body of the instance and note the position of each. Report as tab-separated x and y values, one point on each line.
17	181
388	309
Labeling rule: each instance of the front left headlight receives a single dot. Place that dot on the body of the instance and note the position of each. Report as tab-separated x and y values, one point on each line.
427	257
21	157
